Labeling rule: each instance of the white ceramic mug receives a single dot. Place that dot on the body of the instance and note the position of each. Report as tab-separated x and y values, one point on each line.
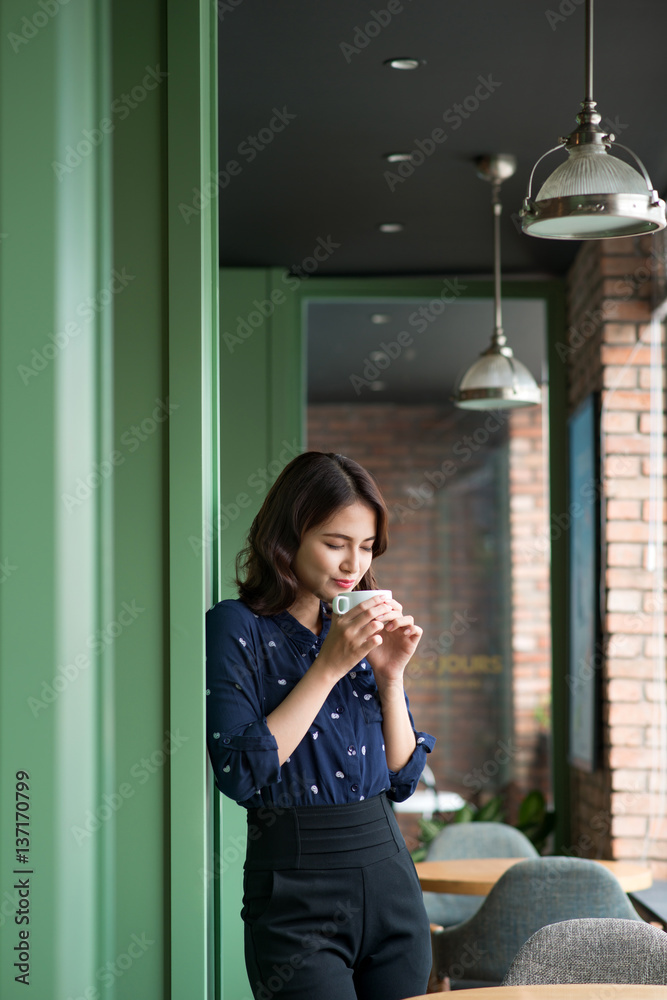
343	602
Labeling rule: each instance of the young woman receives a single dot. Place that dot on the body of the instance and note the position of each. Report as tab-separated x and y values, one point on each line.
309	729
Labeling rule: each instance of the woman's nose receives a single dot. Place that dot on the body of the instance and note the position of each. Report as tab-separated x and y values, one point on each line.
349	563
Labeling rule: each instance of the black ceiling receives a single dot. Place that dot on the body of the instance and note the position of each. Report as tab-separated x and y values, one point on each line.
320	175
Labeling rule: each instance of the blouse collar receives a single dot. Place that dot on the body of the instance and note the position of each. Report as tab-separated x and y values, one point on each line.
302	636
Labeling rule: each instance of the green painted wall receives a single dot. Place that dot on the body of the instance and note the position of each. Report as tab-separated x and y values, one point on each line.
107	460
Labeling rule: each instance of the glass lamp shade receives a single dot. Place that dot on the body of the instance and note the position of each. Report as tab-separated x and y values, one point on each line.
497	381
593	195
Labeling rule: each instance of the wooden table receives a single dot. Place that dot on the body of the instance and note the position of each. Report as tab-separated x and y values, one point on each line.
477	876
576	991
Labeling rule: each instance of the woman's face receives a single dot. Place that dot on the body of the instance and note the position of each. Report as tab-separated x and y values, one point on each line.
334	556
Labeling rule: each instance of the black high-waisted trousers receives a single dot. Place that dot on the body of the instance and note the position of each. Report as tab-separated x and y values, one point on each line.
332	905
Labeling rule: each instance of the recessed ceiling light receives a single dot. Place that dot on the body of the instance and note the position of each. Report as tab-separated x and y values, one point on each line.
377	386
380	318
396	157
403	63
391	227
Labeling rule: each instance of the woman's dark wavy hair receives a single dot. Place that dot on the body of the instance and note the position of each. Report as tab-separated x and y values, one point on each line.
307	493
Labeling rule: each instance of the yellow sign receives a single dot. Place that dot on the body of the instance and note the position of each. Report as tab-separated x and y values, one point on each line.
469	665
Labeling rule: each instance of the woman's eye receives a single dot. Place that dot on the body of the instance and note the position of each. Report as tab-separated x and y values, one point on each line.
330	546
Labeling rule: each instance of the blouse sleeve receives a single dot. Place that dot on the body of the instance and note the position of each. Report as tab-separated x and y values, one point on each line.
404	782
243	752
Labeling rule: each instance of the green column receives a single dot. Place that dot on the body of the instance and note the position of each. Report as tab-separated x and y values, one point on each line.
193	442
54	426
107	443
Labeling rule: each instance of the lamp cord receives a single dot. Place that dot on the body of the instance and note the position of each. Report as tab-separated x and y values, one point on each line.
497	209
589	50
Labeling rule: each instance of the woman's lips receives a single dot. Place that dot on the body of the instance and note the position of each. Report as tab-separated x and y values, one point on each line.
344	584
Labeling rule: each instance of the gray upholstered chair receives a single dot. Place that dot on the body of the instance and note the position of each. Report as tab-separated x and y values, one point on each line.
470	840
528	896
603	950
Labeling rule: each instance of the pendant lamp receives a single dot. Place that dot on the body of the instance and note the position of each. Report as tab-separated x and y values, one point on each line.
497	381
593	195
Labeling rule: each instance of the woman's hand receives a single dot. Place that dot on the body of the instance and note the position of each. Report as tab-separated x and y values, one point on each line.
378	631
400	637
352	636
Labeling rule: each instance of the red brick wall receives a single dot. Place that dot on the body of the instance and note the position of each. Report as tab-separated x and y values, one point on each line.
446	537
618	811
